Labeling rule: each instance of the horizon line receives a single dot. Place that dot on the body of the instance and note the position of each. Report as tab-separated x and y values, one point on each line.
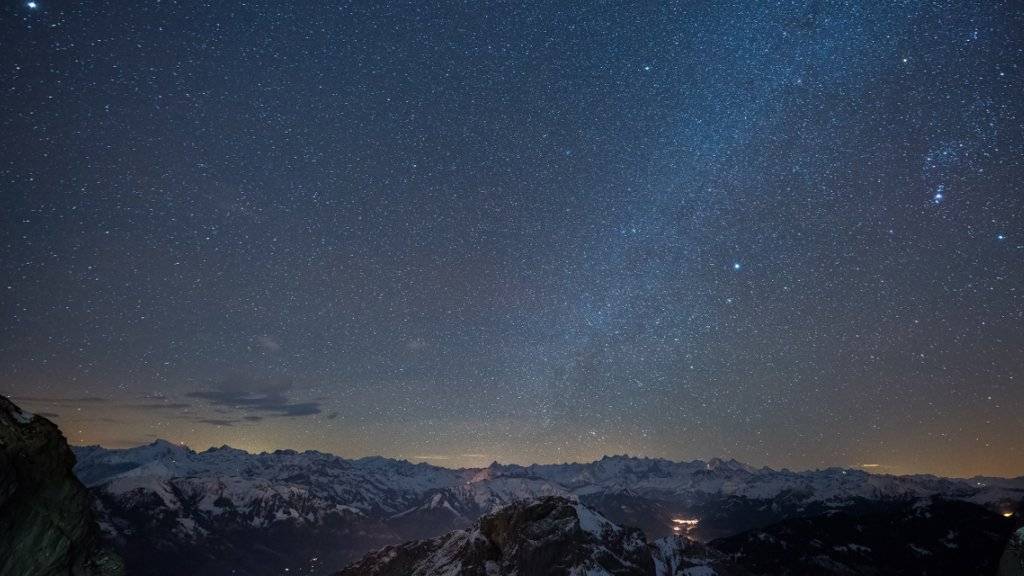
868	468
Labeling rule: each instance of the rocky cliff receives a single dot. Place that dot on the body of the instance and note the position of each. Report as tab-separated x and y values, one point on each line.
46	526
1012	562
547	537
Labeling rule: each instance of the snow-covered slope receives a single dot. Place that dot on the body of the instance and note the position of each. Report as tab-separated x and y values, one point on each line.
368	484
672	479
309	501
382	484
545	536
561	537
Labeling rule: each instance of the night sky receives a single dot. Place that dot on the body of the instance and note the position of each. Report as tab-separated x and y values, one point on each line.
791	234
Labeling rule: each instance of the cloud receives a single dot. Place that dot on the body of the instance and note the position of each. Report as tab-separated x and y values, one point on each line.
304	409
268	343
217	421
161	406
247	394
148	402
61	400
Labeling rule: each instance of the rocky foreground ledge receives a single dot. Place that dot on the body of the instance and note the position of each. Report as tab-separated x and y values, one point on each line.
46	523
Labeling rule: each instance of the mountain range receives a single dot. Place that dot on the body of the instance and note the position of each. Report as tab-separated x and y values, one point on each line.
170	510
555	536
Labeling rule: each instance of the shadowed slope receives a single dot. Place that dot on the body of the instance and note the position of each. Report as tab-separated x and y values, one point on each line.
46	526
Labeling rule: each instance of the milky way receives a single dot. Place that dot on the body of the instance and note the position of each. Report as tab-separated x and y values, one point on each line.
791	234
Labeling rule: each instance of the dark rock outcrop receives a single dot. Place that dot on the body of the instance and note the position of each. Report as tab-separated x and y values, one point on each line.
551	536
934	537
1012	561
556	536
46	525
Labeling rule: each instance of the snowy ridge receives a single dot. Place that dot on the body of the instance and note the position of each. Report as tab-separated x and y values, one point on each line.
217	502
308	486
522	538
314	482
561	536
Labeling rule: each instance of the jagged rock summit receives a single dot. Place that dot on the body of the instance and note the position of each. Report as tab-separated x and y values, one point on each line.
46	525
551	536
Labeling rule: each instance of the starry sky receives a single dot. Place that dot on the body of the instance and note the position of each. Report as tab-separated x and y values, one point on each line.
458	232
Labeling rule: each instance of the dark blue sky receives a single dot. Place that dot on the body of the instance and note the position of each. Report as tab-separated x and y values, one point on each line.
790	233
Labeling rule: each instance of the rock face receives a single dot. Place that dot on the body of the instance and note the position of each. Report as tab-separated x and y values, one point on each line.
556	536
935	537
547	537
1012	562
46	525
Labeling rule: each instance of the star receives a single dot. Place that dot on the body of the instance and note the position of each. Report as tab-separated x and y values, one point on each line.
492	206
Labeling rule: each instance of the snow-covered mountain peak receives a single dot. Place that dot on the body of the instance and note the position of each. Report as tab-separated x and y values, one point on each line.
544	536
312	486
523	538
225	451
229	491
159	449
731	465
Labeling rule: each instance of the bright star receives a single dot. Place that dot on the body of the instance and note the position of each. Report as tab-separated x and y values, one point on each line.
1000	237
32	5
938	197
736	266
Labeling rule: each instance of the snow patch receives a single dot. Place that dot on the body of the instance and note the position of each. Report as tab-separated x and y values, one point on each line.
592	522
920	550
23	417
